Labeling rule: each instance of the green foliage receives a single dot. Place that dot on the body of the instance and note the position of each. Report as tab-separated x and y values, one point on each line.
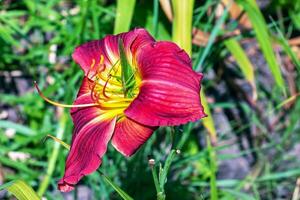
124	15
127	73
241	58
20	190
264	39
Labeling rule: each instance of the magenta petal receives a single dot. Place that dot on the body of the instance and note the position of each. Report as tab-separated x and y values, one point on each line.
89	143
86	152
130	135
108	48
85	88
169	92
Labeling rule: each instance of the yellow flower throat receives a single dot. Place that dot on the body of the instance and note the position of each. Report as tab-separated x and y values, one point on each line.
107	90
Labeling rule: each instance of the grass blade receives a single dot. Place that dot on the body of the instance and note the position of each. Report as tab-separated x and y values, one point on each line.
243	61
286	47
263	38
182	24
124	15
213	170
211	40
121	192
20	190
24	130
208	121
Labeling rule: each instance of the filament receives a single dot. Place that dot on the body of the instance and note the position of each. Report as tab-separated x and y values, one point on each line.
91	67
104	87
60	104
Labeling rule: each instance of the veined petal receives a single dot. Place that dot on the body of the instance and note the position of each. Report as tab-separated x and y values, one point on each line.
86	152
130	135
169	92
108	48
85	87
91	135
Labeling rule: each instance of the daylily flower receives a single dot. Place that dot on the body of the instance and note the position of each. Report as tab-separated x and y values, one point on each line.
160	89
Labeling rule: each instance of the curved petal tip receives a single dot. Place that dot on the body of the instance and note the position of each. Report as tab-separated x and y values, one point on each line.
65	187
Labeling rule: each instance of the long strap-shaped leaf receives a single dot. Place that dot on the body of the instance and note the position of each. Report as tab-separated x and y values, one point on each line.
124	15
20	190
263	38
243	61
182	23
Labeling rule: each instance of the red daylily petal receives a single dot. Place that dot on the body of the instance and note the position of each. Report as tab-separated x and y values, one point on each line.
130	135
86	152
91	135
108	48
85	87
169	92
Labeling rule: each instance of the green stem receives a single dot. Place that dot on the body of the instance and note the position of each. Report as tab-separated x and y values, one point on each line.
156	182
155	17
213	168
163	177
186	130
52	160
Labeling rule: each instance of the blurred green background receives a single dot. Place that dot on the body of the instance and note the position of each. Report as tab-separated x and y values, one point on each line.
248	51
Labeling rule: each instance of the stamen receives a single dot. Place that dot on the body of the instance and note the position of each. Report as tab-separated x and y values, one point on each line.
60	104
111	82
101	59
91	67
94	95
104	87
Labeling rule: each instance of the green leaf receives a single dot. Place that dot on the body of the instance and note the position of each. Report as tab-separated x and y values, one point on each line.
67	146
211	40
288	100
127	74
263	38
208	121
242	60
24	130
121	192
286	47
20	190
182	24
124	15
213	170
238	194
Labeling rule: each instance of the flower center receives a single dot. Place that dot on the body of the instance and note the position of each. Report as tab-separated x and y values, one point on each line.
107	88
109	92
